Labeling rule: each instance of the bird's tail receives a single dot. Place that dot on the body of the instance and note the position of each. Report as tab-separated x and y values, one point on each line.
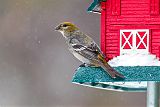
112	72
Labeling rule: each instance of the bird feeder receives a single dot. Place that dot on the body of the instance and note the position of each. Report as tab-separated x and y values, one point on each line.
130	31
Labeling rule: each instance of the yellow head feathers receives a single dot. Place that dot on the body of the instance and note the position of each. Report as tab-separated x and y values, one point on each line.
67	27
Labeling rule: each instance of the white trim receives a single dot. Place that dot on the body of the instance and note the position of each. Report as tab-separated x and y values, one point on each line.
133	47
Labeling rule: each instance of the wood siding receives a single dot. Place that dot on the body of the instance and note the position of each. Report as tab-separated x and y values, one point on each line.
154	7
155	42
133	14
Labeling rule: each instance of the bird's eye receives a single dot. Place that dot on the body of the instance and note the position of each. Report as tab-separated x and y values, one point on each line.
64	25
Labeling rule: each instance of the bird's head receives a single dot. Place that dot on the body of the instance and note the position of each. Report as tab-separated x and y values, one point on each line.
66	28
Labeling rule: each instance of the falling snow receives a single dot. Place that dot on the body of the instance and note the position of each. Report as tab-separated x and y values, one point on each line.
39	42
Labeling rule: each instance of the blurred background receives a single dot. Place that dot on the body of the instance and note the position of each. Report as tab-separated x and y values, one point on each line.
36	68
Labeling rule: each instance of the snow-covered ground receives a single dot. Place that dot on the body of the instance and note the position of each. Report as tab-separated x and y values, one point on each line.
135	60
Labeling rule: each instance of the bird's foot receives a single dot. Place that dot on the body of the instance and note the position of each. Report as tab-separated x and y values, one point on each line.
88	65
91	65
83	65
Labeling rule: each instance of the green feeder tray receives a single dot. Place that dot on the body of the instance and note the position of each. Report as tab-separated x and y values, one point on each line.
136	77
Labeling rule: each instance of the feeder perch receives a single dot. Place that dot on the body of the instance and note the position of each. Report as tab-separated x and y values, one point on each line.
131	28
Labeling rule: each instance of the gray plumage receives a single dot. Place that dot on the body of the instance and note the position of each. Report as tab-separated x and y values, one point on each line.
84	48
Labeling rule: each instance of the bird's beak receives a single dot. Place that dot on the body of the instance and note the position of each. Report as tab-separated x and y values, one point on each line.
57	28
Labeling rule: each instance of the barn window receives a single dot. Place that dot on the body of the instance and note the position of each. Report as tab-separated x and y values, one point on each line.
116	7
134	41
154	7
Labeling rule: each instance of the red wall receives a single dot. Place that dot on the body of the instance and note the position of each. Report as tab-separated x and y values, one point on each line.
129	14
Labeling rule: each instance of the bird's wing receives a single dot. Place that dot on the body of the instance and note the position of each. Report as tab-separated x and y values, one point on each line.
82	40
85	51
95	47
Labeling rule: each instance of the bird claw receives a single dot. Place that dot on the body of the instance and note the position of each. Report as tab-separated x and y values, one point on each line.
87	65
83	65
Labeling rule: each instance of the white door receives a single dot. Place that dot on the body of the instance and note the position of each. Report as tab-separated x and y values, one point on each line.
134	41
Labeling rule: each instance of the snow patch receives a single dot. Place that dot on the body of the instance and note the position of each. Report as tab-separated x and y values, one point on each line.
135	60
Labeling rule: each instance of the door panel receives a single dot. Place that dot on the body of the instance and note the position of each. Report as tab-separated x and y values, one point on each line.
134	41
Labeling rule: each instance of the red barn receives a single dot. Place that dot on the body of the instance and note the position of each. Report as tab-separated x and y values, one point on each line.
129	26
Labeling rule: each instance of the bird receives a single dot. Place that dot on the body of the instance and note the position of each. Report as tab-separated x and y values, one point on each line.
84	48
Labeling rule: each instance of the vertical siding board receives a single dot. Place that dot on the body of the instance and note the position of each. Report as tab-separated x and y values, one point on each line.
154	7
113	7
157	7
159	53
116	7
118	53
150	41
103	26
154	43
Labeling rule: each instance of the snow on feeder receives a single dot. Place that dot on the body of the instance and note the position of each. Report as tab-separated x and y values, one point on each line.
130	39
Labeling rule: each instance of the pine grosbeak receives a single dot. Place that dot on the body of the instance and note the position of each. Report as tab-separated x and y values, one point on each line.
84	48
